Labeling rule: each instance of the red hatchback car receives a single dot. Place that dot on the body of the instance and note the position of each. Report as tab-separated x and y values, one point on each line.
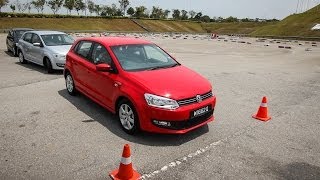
145	86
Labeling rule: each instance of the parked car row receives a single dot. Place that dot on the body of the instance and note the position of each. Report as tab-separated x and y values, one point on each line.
135	79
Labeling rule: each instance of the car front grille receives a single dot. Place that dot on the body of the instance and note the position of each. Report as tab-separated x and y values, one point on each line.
192	100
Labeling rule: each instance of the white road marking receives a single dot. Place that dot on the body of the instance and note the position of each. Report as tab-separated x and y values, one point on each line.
180	161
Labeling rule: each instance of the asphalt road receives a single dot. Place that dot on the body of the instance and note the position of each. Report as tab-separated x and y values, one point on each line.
47	134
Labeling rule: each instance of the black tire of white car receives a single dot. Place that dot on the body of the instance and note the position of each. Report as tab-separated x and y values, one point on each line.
21	58
70	85
125	112
48	66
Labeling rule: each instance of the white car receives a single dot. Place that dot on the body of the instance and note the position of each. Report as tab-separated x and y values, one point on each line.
45	48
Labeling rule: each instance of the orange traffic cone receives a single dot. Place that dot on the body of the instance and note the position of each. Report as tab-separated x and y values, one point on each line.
125	171
262	113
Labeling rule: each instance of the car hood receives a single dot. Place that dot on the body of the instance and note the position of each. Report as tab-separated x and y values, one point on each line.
177	83
60	49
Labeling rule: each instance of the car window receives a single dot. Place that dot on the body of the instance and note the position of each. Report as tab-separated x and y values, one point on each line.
57	39
35	39
27	37
83	49
100	55
154	52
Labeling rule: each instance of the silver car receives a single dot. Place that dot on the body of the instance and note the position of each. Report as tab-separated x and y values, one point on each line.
46	48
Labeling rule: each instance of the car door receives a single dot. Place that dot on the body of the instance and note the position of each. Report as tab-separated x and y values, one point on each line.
26	45
36	52
102	83
81	62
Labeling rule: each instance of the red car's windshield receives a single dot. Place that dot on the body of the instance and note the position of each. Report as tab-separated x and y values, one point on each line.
142	57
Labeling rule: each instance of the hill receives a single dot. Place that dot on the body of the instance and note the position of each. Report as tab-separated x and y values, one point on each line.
293	25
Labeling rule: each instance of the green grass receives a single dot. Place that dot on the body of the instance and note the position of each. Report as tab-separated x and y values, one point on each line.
294	25
234	28
71	24
171	26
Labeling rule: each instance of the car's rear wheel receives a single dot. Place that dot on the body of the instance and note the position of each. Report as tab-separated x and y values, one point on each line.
128	117
21	58
70	85
48	65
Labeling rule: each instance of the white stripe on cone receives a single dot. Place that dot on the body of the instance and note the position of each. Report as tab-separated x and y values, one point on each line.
126	161
263	105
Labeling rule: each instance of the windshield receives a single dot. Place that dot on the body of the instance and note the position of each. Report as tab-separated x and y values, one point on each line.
142	57
57	39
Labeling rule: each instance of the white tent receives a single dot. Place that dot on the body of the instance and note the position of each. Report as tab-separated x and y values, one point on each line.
316	27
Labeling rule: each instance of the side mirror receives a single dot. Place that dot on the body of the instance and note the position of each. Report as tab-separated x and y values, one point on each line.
103	67
37	44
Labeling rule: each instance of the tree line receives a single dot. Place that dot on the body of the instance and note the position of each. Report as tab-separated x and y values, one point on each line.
89	7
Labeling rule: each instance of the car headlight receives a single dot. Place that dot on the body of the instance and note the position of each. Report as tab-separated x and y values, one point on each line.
161	102
59	56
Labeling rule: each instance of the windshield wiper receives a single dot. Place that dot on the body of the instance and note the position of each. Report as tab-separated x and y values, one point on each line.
163	67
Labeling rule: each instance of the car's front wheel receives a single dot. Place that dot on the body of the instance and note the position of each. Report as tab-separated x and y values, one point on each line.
128	117
21	58
48	65
70	85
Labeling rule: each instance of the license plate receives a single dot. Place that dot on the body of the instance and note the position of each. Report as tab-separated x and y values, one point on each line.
200	111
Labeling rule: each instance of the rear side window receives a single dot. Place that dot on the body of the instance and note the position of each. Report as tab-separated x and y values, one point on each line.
27	37
83	49
10	34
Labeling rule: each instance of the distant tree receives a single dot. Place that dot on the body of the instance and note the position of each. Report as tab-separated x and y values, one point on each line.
176	14
130	11
3	3
55	5
91	7
192	14
141	12
69	5
184	14
24	7
29	6
220	19
39	5
12	7
198	16
79	5
124	5
166	13
157	13
231	19
18	5
205	18
97	9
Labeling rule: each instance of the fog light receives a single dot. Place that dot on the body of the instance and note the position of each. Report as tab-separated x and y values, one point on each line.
60	65
162	123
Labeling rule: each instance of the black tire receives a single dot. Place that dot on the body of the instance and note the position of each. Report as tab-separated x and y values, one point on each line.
125	116
48	65
22	60
70	86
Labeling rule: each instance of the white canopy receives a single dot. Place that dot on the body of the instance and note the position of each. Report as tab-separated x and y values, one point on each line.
316	27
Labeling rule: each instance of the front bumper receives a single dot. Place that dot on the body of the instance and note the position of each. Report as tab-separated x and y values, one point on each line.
180	119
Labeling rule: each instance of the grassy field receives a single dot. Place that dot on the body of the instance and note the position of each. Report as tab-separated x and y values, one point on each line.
235	28
171	26
294	25
71	24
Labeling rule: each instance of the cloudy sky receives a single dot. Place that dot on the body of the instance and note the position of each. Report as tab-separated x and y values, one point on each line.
225	8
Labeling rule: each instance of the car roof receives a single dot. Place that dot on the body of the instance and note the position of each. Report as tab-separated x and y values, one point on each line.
116	41
47	32
25	29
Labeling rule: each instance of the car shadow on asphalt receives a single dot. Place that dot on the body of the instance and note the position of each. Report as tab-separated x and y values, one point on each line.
9	53
36	67
98	114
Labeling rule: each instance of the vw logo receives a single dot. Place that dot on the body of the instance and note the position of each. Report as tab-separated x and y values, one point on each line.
198	98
